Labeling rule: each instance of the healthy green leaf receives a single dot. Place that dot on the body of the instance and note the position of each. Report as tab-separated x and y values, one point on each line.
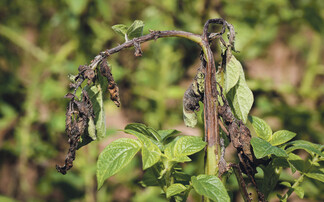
149	178
95	94
211	187
120	29
287	184
317	175
232	73
151	153
136	29
243	99
261	128
305	145
281	136
187	145
115	157
175	189
269	183
143	129
165	134
170	153
299	191
262	148
296	163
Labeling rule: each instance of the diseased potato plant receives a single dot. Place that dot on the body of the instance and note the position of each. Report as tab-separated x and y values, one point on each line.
226	100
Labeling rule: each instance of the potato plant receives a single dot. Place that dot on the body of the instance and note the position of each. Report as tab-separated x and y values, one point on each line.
226	99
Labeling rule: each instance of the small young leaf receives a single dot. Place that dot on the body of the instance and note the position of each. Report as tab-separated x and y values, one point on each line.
170	153
211	187
281	136
151	153
175	189
188	145
261	128
115	157
232	73
120	29
143	129
136	29
262	148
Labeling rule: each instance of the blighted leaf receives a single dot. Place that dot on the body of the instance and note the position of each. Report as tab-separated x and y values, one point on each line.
92	129
175	189
261	128
232	73
151	153
190	118
262	148
120	29
211	187
115	157
136	29
281	136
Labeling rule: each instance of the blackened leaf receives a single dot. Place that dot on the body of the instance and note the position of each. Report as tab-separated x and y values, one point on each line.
115	157
211	187
136	29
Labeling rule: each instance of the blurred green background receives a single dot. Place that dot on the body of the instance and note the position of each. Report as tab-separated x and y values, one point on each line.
281	48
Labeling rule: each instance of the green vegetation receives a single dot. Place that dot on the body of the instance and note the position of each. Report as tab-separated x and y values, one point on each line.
43	41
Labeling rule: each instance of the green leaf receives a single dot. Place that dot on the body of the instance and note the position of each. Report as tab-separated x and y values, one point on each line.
170	153
115	157
316	174
175	189
286	184
120	29
299	191
149	178
95	95
261	128
262	148
269	183
243	98
281	136
296	163
165	134
211	187
187	145
151	153
232	73
305	145
143	129
136	29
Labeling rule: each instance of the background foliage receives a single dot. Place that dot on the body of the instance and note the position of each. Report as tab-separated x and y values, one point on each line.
281	47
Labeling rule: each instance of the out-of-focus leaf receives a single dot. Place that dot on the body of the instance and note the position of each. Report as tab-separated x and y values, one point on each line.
151	153
175	189
261	128
165	134
299	191
115	157
316	174
77	6
211	187
281	136
305	145
262	148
